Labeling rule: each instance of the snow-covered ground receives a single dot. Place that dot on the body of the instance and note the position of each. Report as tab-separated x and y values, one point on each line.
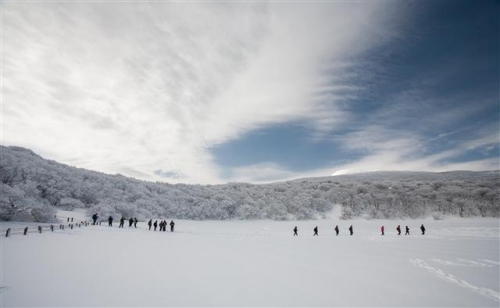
255	263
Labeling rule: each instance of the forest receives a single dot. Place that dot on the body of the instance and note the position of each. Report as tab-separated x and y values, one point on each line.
33	188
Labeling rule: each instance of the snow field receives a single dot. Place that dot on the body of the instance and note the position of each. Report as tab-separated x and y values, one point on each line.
256	263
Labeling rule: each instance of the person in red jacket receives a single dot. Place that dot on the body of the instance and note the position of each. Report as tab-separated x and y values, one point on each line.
382	230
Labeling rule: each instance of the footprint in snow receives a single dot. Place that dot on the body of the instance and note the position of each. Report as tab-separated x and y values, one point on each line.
455	280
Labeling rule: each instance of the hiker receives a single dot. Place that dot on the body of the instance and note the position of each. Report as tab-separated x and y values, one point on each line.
382	229
150	223
295	231
135	222
161	225
110	221
422	228
399	229
155	225
130	222
94	219
351	230
172	224
407	231
315	231
122	222
165	223
336	230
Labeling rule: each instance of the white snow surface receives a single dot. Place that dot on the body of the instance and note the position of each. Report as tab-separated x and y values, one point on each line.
254	263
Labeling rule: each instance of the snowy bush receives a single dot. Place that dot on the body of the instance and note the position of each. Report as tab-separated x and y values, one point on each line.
437	216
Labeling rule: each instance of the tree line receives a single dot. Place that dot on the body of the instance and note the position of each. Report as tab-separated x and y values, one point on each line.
33	188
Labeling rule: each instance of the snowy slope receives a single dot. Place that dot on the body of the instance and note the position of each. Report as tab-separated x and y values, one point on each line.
256	263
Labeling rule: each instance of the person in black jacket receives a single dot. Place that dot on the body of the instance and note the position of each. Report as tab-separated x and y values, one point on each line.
399	229
295	231
130	222
351	230
315	231
155	224
422	228
135	222
94	219
336	230
110	221
407	231
172	224
122	222
150	223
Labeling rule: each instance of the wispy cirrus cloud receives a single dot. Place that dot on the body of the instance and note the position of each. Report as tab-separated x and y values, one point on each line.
146	89
405	151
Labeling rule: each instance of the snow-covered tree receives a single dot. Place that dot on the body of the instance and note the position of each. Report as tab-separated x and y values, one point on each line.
31	188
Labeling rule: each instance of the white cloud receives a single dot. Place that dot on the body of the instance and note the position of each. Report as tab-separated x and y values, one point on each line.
134	88
487	138
385	149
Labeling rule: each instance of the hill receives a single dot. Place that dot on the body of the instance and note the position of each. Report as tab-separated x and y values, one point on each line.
32	188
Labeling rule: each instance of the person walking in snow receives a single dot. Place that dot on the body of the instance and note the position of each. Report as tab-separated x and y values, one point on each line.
295	231
336	230
161	225
382	229
130	222
399	229
422	228
351	230
110	221
122	222
165	223
315	231
172	224
135	222
94	219
407	231
155	225
150	223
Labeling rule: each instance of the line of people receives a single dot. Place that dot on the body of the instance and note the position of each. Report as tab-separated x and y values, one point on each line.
407	229
133	221
351	230
163	225
337	230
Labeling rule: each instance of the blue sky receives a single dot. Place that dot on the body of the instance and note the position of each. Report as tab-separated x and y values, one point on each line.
257	92
446	59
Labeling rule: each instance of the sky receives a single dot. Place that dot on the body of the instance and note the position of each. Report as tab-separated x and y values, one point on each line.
212	92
